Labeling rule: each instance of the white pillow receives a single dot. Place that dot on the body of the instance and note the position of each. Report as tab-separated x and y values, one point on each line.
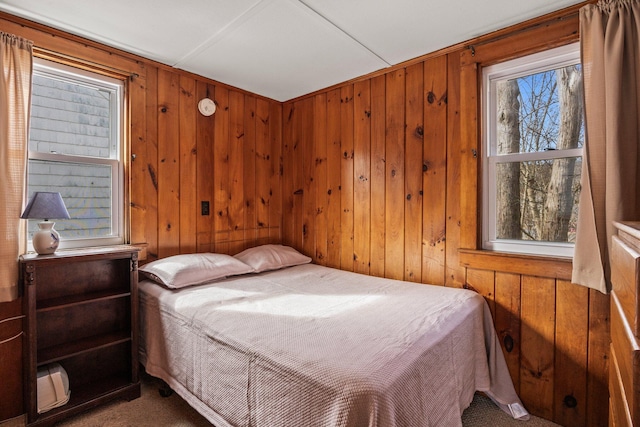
271	257
193	269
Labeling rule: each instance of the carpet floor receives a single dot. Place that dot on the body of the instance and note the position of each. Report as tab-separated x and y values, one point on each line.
153	410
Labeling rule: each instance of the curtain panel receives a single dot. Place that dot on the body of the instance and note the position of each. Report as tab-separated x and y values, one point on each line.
16	60
610	47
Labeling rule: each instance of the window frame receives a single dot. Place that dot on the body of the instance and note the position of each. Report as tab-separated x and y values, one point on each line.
92	77
526	65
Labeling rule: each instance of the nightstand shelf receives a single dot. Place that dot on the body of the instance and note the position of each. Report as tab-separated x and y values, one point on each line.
58	352
89	396
61	302
82	312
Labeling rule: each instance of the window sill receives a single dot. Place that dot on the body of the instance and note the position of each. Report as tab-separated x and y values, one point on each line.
530	265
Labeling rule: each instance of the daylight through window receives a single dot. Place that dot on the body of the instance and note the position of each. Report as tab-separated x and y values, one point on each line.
534	135
75	148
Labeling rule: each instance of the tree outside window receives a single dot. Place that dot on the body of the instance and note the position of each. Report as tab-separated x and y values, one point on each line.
534	138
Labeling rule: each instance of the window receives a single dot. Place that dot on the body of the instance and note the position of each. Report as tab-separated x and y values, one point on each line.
533	132
75	149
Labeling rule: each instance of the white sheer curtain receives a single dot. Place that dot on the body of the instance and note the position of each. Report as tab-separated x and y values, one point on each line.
610	44
16	60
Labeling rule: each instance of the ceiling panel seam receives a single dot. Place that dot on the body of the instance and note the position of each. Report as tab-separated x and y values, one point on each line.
224	31
344	32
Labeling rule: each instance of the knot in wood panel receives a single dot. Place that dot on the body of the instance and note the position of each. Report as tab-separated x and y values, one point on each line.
570	401
508	343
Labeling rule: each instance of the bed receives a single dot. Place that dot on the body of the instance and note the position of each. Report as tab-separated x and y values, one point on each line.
268	339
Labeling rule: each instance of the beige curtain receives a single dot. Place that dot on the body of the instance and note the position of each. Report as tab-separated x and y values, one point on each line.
16	60
610	44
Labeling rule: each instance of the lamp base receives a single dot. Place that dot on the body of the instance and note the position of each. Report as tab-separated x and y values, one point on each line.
46	239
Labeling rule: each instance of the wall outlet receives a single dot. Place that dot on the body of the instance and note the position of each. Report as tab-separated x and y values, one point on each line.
204	207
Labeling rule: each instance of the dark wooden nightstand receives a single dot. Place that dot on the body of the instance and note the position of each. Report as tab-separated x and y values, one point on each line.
81	311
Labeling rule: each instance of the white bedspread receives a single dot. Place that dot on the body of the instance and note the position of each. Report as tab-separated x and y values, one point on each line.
313	346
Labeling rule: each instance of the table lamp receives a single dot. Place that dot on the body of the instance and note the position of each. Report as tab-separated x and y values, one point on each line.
45	206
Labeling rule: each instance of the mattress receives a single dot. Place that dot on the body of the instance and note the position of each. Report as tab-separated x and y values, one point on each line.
314	346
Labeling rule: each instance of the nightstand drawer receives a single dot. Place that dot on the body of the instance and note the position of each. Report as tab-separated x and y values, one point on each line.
625	283
626	365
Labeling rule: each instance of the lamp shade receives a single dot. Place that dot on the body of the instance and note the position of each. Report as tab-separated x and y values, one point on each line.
45	205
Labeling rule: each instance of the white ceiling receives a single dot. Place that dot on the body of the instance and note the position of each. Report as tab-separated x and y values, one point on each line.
280	49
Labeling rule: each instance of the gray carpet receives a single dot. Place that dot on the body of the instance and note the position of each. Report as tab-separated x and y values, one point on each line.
153	410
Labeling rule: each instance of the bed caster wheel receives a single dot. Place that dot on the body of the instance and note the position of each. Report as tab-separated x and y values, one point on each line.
165	390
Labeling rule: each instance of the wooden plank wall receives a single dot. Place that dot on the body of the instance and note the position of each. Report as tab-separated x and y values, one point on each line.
354	174
181	158
554	334
381	176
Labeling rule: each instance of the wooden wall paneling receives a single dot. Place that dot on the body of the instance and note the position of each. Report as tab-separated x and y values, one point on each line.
454	272
434	176
168	164
334	162
221	182
260	163
395	175
558	268
298	173
275	175
552	33
288	116
321	176
469	156
138	163
378	175
598	359
236	172
346	178
362	176
538	345
572	323
150	165
307	161
66	44
293	164
189	209
414	140
581	361
204	168
507	321
256	136
483	282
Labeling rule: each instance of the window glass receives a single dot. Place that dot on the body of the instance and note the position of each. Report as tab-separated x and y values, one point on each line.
534	135
74	149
